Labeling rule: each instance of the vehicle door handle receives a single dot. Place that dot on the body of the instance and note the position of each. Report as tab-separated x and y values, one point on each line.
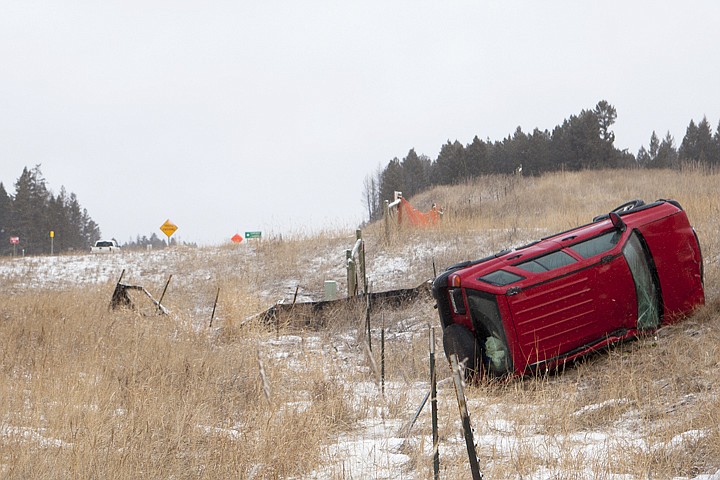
607	259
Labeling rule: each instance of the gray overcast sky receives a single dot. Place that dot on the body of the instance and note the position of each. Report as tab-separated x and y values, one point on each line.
228	116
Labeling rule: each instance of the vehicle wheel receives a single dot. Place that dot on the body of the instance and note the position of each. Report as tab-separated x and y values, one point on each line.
628	206
460	341
625	207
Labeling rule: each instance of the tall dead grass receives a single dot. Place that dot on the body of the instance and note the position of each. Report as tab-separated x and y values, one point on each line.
86	392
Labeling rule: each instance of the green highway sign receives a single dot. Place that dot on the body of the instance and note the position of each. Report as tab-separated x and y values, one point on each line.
253	234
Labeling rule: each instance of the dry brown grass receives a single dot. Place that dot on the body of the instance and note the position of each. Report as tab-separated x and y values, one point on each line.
90	393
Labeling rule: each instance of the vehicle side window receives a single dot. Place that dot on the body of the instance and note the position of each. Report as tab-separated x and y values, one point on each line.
645	287
500	278
547	262
597	245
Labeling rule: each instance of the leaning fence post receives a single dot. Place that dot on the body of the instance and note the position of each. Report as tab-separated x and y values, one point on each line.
458	375
217	295
164	290
433	404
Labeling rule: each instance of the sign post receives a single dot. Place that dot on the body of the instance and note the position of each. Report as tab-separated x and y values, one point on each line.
14	241
168	228
52	238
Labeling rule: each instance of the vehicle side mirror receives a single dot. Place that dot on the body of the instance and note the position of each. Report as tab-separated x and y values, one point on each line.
617	221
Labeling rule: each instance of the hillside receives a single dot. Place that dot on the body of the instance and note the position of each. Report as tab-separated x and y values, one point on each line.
94	392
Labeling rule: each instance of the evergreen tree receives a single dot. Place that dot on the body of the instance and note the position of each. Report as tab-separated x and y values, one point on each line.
76	224
476	154
156	242
451	165
5	219
643	158
698	144
57	220
520	151
391	181
414	173
706	146
716	143
606	116
33	212
30	211
90	232
688	145
539	158
667	154
654	146
648	157
577	143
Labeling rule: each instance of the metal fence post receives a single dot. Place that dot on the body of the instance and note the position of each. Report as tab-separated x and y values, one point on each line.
433	404
458	376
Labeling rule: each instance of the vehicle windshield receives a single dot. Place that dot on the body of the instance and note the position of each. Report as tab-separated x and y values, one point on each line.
489	332
645	287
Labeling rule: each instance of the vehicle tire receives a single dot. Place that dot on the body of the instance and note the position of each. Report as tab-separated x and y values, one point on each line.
627	206
460	341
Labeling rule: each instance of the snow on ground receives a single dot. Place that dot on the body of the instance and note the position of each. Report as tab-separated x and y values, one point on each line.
375	449
58	272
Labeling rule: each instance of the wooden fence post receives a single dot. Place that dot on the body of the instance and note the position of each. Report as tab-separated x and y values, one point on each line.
361	254
367	320
351	286
386	217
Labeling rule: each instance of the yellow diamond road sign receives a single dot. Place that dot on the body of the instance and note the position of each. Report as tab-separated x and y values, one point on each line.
168	228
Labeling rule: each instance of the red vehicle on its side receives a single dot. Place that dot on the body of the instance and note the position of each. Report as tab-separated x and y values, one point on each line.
551	301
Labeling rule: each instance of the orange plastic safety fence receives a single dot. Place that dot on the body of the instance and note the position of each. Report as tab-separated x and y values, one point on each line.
410	215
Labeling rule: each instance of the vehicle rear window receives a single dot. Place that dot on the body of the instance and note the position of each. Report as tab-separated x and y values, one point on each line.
594	246
547	262
500	278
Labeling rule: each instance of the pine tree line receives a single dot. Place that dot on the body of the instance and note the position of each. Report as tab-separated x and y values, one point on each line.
154	242
33	212
583	141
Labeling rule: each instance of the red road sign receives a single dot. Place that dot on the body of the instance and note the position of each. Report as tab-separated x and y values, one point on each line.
237	238
14	240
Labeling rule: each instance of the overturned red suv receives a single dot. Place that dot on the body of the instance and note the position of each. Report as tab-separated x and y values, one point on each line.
535	307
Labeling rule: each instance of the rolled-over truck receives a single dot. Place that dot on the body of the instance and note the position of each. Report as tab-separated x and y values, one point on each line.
105	246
